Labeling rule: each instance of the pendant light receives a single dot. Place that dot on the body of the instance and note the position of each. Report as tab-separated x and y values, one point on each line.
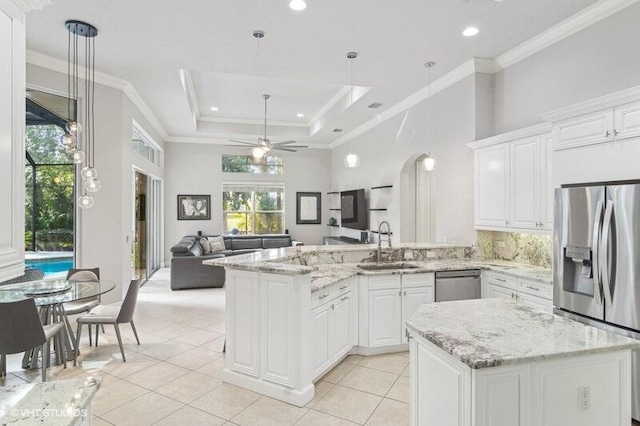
351	160
429	163
82	149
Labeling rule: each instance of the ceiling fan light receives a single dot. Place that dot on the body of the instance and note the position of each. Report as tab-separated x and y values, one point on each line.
258	152
298	5
429	163
352	160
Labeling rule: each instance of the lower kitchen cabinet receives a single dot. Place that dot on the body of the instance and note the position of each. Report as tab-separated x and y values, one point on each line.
385	317
412	299
531	293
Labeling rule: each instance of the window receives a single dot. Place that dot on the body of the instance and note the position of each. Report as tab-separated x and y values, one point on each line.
253	208
246	164
144	145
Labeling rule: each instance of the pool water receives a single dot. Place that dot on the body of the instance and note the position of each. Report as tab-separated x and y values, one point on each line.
51	266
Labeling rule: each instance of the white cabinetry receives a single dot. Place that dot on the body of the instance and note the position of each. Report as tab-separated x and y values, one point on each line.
513	188
390	301
620	122
527	292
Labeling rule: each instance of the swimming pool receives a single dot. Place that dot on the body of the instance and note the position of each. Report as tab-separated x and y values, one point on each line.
51	266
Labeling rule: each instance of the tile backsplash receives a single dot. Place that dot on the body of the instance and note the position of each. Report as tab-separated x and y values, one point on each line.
532	249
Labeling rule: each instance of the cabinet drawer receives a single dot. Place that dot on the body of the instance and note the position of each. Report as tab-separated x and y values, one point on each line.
379	282
535	288
502	280
418	280
327	294
537	303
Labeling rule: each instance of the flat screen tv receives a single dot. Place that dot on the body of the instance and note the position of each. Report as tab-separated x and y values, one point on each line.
353	209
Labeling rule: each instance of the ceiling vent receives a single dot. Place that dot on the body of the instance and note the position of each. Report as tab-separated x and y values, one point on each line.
375	105
337	130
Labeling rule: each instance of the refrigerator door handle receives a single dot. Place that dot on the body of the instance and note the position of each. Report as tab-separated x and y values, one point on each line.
597	230
604	253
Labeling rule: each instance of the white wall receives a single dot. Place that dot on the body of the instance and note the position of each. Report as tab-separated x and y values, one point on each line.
596	61
197	169
103	232
385	149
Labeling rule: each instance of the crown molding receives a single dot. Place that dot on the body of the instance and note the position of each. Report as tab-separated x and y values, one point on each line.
190	93
57	65
225	142
29	5
253	122
536	130
592	105
577	22
470	67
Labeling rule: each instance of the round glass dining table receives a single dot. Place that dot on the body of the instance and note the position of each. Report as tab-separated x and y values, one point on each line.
50	296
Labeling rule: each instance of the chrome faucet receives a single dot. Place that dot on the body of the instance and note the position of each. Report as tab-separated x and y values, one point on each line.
380	234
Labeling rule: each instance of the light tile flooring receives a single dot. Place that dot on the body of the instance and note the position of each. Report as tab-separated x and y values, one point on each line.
173	377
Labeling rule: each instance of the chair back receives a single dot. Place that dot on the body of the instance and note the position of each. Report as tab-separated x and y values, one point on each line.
89	274
129	304
29	275
20	327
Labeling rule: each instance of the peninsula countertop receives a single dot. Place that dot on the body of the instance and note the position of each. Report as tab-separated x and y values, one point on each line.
58	402
492	332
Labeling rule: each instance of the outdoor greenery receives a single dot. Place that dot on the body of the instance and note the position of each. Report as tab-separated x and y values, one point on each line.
246	164
254	212
49	208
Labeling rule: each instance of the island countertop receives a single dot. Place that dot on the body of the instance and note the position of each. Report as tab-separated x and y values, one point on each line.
492	332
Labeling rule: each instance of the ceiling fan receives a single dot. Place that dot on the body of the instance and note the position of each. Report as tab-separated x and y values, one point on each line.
264	145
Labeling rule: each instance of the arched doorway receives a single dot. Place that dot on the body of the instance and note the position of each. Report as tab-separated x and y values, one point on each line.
418	201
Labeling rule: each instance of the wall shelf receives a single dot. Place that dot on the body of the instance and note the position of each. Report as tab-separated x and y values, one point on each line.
383	233
334	226
333	193
377	210
382	187
334	210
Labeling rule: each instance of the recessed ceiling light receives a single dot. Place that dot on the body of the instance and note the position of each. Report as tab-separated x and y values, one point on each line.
470	31
214	108
337	130
300	115
375	105
298	5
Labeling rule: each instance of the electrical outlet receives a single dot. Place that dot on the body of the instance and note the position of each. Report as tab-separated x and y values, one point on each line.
584	398
501	244
408	255
431	254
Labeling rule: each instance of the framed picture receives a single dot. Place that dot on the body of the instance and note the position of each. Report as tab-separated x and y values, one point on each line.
194	207
308	208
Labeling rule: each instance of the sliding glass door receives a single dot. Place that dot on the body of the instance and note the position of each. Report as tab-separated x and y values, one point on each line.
147	226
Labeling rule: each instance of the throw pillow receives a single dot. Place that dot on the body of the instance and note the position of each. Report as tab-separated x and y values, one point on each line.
206	246
216	244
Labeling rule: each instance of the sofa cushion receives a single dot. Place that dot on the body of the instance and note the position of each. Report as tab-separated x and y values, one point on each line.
196	249
227	243
246	243
216	244
276	242
183	245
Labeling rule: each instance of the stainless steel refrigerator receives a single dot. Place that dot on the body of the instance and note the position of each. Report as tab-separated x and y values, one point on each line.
596	274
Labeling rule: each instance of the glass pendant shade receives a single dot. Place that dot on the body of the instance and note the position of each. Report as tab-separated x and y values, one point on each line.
88	173
258	152
68	140
85	201
93	185
77	156
74	127
352	160
429	163
298	5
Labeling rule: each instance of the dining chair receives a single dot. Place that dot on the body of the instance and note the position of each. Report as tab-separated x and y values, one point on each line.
109	314
22	330
30	274
85	305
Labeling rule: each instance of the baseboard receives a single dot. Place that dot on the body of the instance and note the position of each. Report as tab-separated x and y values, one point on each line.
367	351
296	397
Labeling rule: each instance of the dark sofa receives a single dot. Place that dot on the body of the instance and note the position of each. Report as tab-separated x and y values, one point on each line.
187	270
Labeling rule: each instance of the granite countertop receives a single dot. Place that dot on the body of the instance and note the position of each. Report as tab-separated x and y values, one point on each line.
55	403
492	332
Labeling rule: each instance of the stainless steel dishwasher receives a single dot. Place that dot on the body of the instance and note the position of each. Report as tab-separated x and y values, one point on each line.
458	285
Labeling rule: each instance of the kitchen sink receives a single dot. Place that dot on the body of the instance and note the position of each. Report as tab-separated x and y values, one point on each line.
385	266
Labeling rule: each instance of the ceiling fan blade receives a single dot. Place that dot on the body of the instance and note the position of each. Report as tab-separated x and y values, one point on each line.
242	142
285	149
283	143
290	146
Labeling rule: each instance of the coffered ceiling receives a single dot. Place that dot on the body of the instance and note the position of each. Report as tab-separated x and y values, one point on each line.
185	57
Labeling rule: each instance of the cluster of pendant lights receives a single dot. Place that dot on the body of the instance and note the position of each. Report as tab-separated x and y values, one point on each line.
80	139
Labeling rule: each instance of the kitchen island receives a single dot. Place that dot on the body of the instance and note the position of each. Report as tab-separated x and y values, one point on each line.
295	313
493	362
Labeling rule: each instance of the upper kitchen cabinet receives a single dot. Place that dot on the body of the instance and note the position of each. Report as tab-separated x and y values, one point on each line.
513	189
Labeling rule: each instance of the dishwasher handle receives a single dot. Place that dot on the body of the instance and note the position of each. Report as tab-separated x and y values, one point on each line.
458	274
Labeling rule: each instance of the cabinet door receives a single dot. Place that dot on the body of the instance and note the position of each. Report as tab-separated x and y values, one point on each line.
627	121
535	302
385	316
340	326
546	182
412	299
320	333
243	322
587	129
524	183
497	291
491	186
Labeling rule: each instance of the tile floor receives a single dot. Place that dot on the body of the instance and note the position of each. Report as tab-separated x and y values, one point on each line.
173	377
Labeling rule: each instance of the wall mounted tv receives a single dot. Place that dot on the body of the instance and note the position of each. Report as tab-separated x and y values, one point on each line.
353	209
